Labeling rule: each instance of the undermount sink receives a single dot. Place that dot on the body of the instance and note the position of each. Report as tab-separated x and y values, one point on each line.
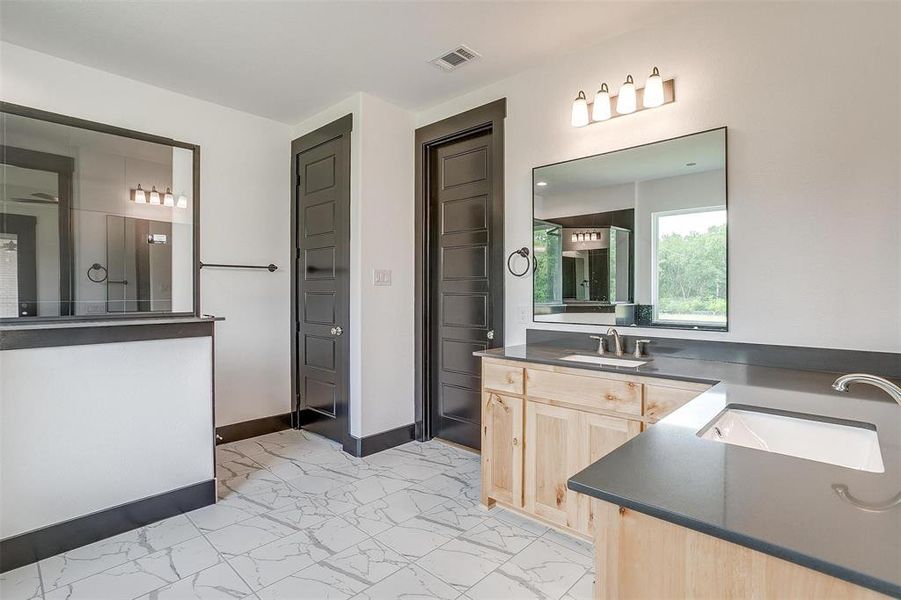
603	360
846	444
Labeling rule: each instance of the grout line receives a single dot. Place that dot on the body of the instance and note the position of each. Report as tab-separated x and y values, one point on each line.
40	578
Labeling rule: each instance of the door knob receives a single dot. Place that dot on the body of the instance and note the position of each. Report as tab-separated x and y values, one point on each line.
337	330
490	334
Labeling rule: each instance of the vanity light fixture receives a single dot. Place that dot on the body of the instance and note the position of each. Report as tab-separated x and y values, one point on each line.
182	201
653	90
625	101
580	110
139	196
628	100
168	199
600	110
154	196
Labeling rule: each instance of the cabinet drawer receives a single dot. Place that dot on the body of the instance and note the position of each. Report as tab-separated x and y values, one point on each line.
588	392
502	378
660	401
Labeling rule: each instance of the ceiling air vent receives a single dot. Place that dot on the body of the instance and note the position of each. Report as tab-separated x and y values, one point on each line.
454	58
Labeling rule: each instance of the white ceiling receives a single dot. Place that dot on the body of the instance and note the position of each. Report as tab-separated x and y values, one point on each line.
288	60
671	158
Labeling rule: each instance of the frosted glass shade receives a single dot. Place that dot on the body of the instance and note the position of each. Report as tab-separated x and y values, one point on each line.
580	111
182	201
625	100
140	196
154	196
168	198
600	110
653	90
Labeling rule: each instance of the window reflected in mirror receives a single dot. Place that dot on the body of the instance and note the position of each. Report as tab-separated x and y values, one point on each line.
636	237
94	223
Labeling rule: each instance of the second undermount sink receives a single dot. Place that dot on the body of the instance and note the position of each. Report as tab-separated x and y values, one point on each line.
843	443
604	360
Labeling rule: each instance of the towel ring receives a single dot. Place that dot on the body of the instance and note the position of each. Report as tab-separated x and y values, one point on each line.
523	252
98	267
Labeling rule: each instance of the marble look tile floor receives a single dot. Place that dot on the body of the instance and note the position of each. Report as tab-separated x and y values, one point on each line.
299	519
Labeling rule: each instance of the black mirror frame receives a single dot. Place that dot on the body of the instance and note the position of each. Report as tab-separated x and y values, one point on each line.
42	115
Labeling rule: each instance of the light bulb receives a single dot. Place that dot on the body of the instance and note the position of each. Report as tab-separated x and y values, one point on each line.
600	110
168	199
625	101
154	196
140	196
580	110
653	90
182	201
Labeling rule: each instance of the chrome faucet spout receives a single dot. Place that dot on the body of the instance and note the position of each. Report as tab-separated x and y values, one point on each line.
617	341
842	383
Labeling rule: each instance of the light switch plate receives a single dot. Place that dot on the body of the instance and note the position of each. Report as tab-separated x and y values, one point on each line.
381	277
525	314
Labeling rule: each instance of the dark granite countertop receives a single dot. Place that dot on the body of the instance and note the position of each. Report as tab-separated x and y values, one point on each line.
781	505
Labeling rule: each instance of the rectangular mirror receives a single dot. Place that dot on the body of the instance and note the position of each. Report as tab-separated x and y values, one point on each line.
95	221
635	237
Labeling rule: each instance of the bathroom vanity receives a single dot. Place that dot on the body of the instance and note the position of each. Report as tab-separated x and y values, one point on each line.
543	423
619	454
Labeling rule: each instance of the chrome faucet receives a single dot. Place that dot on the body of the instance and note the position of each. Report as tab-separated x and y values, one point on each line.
617	341
841	384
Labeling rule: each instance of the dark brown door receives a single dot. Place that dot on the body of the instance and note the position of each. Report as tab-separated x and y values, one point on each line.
466	295
321	278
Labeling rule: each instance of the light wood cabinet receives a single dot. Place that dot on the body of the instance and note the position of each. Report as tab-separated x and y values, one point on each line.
560	442
502	378
639	556
502	449
553	455
587	393
661	400
543	424
600	436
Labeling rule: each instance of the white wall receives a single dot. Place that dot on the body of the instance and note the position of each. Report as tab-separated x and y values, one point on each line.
245	208
809	163
585	202
59	461
381	318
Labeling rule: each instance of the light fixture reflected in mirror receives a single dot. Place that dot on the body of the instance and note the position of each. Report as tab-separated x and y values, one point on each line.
600	110
168	199
139	196
182	201
580	110
154	196
541	183
625	101
653	90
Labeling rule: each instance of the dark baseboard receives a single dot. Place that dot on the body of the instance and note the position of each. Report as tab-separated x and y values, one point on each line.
801	358
43	543
253	428
380	441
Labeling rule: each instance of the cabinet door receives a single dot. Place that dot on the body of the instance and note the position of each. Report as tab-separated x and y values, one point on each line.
502	448
599	436
552	457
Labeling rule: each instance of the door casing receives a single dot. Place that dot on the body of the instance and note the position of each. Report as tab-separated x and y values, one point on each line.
488	117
